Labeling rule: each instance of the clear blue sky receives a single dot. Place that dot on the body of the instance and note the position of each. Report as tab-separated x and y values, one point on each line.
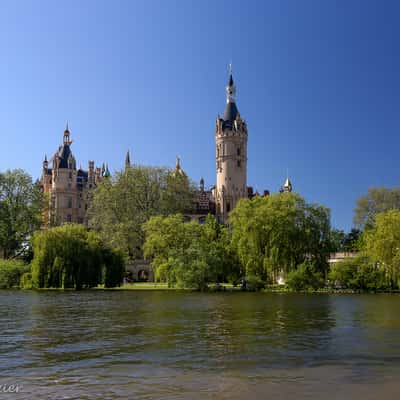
318	83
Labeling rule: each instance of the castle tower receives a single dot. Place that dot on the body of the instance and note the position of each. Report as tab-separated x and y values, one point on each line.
287	187
231	155
66	186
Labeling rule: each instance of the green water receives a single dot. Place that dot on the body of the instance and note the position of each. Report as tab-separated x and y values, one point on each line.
176	345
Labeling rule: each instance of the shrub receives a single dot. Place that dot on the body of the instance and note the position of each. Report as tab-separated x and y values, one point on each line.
11	272
304	277
26	281
254	283
358	273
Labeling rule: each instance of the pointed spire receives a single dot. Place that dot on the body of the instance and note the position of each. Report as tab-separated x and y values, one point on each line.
45	162
178	169
107	173
230	88
231	83
66	127
287	187
127	160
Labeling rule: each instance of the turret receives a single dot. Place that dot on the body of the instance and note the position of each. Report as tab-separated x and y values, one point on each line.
127	161
287	187
45	164
91	176
67	139
71	162
178	171
106	173
231	155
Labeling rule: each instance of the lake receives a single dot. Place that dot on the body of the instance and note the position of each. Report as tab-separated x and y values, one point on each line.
181	345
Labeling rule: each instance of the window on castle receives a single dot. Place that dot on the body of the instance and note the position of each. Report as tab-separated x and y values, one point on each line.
69	218
70	202
70	175
239	164
238	151
228	207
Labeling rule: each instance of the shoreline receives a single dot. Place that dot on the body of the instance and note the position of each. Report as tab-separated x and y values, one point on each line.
223	288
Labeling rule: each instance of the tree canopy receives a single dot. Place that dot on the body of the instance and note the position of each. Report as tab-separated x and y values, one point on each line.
382	244
189	254
376	201
122	204
358	273
272	235
69	256
341	241
21	205
11	272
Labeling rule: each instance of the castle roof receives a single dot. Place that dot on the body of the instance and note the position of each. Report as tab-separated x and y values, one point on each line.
63	153
82	173
231	112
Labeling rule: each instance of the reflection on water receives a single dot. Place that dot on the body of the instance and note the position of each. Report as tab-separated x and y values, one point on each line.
127	344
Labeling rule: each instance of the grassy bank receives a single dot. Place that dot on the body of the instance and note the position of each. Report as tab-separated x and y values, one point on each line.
160	286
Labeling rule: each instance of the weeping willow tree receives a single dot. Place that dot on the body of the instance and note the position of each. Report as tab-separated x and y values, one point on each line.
382	244
189	254
273	235
69	256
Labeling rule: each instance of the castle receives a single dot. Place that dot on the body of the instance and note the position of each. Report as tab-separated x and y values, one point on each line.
231	162
68	187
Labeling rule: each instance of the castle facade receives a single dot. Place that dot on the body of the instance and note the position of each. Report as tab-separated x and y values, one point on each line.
68	187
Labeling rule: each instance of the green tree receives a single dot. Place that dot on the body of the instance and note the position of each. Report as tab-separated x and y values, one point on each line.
358	273
21	205
382	244
11	272
69	256
351	240
274	234
188	254
305	277
122	204
341	241
376	201
337	238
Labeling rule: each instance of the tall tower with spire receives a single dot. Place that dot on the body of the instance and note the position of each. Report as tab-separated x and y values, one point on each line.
231	155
